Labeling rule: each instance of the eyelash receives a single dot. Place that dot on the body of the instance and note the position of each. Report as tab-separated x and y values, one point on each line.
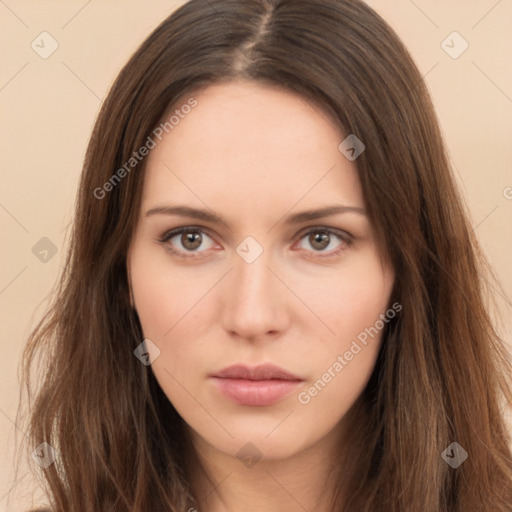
344	237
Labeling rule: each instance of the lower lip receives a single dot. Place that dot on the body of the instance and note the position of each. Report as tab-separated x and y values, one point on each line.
255	392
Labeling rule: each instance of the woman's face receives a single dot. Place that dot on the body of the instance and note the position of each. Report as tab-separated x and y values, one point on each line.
268	283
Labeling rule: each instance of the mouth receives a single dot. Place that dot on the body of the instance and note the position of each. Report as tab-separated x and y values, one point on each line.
255	386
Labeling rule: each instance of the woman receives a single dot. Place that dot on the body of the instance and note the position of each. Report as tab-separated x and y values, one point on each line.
273	297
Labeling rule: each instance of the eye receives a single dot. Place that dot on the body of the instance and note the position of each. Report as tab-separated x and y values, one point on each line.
320	239
189	238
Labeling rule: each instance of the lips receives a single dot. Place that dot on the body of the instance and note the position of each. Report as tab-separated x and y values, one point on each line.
262	372
257	386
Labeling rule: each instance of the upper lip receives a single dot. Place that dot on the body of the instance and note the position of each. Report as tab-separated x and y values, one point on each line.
266	371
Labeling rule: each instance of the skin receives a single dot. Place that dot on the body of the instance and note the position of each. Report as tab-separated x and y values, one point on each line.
256	155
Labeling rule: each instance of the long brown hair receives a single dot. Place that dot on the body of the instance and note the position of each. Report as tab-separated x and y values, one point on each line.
443	373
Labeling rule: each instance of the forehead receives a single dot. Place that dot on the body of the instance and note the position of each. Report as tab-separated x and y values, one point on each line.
246	119
255	145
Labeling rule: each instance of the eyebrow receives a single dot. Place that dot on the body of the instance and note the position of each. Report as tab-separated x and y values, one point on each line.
296	218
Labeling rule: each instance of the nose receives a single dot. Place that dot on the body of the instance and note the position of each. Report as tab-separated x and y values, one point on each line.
254	302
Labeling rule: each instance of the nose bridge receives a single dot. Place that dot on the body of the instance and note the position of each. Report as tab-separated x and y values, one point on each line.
252	279
252	305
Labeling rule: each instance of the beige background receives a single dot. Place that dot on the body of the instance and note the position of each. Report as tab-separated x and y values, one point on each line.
49	106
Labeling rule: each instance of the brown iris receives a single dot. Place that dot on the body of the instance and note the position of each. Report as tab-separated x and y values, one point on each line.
194	238
319	237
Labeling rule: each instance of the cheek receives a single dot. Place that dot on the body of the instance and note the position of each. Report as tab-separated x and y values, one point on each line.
172	308
162	296
351	304
155	300
352	300
342	366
